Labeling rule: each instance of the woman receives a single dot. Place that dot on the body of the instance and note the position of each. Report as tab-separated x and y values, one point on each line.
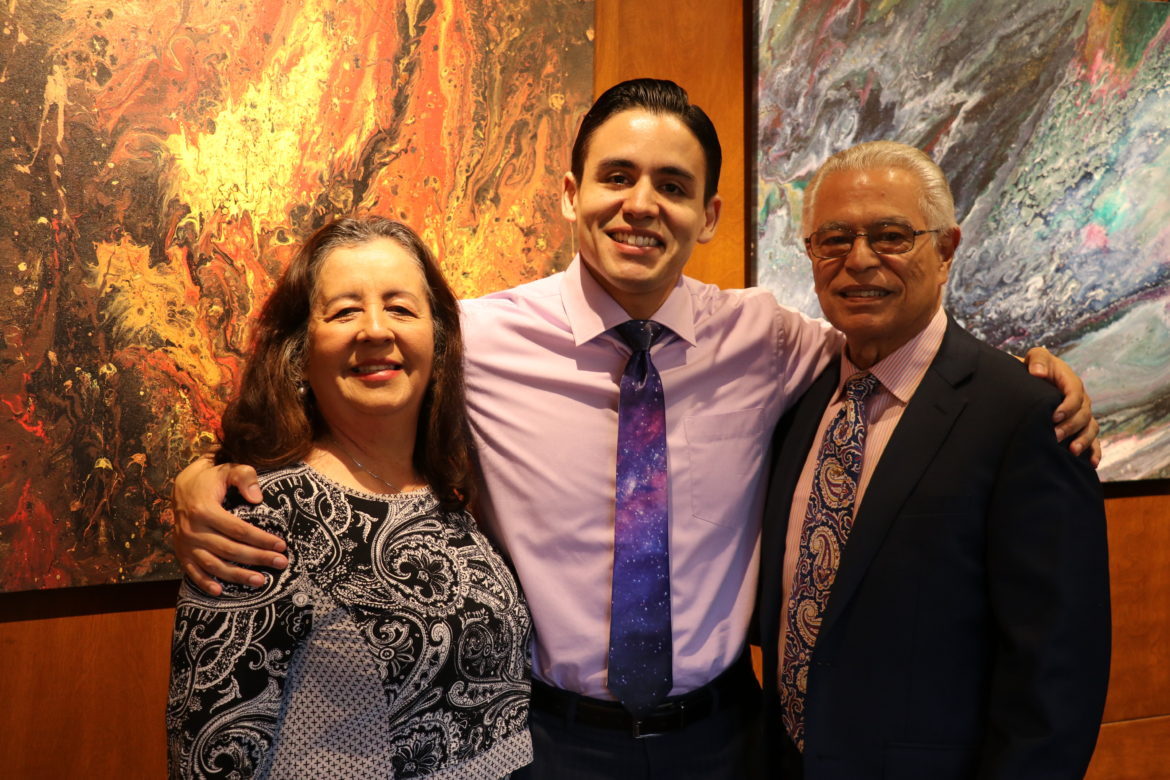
394	644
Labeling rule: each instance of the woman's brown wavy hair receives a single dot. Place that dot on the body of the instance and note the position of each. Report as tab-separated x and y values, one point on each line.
270	423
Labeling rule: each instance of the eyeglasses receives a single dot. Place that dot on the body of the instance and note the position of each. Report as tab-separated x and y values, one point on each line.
884	238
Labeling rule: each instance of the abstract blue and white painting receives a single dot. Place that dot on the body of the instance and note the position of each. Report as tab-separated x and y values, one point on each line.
1051	119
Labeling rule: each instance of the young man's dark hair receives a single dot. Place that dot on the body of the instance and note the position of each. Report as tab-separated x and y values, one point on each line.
658	97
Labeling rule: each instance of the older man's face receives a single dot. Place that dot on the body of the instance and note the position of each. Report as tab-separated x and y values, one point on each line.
878	301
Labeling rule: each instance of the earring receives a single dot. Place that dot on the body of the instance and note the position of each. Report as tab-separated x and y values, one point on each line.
302	389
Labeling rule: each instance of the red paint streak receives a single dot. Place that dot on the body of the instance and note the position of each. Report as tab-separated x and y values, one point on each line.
37	558
23	408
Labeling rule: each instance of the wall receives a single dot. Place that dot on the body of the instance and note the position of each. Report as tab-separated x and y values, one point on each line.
1135	738
699	45
83	685
83	675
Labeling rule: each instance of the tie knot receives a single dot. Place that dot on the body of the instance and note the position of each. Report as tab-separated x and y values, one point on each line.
640	334
858	386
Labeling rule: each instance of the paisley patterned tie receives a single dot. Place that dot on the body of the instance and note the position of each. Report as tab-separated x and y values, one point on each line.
639	636
827	522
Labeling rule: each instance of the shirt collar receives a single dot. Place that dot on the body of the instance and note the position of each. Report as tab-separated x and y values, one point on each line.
592	311
902	370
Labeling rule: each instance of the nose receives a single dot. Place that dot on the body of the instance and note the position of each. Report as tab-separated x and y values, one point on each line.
375	325
861	256
641	199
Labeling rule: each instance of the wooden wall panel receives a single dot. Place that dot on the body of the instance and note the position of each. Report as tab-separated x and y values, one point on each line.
698	44
83	682
1139	570
1135	737
1132	750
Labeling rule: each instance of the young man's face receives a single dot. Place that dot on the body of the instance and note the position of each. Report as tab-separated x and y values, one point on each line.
638	209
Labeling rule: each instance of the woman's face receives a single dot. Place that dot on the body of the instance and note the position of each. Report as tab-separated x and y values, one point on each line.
371	335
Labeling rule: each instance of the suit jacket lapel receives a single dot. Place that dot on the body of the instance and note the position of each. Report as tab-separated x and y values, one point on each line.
924	426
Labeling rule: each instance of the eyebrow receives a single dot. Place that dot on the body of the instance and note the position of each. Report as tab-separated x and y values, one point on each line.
351	295
891	220
668	170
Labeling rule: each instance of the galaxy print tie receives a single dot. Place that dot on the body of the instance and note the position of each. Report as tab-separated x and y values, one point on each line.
639	635
827	522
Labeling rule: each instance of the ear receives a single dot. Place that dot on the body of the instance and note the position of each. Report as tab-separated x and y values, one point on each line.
569	197
948	242
711	214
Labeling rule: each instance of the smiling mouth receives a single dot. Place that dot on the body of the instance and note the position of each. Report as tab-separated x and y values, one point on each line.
864	293
633	239
373	368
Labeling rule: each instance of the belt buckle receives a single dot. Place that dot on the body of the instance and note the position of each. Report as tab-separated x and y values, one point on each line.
641	731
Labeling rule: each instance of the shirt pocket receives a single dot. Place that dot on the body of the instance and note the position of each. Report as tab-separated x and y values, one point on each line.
726	453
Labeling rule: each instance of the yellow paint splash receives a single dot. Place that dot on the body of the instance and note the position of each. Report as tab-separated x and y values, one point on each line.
153	307
250	163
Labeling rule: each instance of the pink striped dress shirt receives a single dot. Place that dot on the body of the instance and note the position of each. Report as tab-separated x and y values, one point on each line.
899	373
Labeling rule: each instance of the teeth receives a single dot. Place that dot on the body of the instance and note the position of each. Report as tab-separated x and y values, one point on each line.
635	240
373	369
865	294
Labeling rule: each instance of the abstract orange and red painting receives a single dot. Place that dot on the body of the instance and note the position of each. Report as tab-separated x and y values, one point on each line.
159	163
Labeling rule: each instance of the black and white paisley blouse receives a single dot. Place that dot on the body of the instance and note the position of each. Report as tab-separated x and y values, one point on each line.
393	645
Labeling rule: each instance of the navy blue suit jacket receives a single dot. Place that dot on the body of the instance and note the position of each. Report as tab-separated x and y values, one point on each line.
967	631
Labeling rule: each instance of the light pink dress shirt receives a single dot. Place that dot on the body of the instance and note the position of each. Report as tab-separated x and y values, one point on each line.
542	378
899	373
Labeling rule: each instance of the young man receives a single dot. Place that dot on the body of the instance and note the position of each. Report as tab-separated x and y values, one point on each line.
544	375
934	599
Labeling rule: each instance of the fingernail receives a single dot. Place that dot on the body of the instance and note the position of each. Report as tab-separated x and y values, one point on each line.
256	580
1075	448
279	546
1058	417
279	562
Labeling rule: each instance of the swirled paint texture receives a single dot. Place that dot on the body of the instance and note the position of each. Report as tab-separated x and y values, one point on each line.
1051	120
159	163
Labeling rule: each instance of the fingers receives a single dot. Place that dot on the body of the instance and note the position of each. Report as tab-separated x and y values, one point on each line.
223	536
222	529
201	579
207	558
1072	415
243	478
223	571
198	512
1039	362
212	543
208	543
1086	439
226	548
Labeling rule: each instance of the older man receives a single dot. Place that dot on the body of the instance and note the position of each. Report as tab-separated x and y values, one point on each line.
934	594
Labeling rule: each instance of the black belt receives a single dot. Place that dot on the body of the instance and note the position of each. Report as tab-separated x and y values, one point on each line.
734	686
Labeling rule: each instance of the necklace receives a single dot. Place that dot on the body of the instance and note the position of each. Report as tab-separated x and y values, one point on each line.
358	463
